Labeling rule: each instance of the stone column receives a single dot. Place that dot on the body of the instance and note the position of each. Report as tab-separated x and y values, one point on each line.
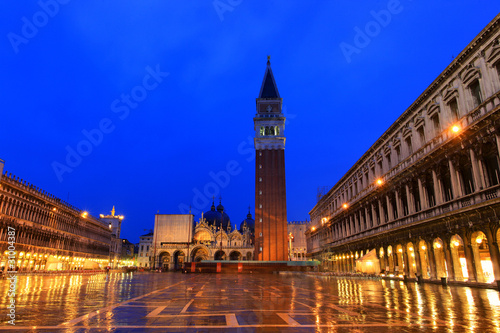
438	194
399	206
381	211
409	197
418	262
423	202
454	180
390	214
382	260
394	260
475	171
494	253
431	260
374	215
470	258
477	261
406	268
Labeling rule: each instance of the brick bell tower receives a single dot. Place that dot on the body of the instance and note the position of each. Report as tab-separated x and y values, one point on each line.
270	191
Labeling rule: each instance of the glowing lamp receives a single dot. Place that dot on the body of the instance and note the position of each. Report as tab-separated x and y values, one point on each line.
455	128
345	206
379	181
456	243
479	240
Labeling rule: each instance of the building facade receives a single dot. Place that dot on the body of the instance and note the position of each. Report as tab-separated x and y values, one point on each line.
423	201
50	234
145	255
297	243
177	238
270	190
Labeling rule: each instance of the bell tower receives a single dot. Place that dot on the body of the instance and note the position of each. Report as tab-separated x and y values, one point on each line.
270	191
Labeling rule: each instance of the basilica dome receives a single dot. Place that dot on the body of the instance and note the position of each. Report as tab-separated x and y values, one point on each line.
214	217
249	222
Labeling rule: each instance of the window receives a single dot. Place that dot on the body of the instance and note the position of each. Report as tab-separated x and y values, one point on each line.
475	91
260	166
276	130
437	125
260	205
260	153
497	66
398	153
421	135
260	234
404	202
492	170
389	160
467	179
260	192
408	144
262	130
260	220
453	105
260	179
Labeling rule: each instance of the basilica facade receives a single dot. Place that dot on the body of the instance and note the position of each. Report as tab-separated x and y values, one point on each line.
424	201
178	238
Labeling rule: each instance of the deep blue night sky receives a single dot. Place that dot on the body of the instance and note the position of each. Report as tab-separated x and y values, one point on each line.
74	71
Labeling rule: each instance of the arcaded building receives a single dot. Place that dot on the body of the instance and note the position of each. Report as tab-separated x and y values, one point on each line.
50	234
423	201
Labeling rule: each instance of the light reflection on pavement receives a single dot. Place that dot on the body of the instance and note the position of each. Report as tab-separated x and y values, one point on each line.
173	302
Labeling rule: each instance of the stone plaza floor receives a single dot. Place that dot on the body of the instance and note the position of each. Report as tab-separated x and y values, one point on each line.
173	302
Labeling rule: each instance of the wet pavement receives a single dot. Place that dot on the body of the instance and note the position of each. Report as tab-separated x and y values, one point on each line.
173	302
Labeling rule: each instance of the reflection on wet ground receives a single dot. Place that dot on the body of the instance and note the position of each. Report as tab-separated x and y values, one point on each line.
172	302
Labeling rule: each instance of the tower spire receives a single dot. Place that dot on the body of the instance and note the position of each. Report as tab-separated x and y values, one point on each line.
269	89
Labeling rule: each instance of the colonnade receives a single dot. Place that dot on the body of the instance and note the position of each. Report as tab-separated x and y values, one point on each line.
468	255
